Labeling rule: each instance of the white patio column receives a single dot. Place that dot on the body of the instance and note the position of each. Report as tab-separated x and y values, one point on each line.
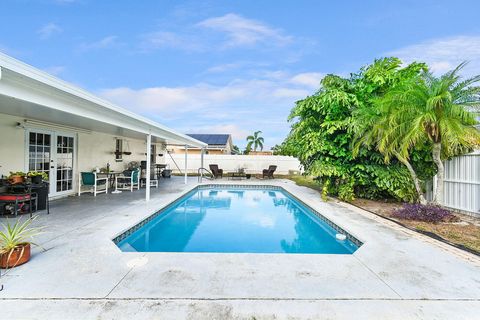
186	152
147	178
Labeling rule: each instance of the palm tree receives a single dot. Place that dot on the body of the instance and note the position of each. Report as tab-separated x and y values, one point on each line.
369	125
433	110
256	140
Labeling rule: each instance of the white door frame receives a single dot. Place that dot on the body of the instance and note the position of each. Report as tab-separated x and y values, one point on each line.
53	156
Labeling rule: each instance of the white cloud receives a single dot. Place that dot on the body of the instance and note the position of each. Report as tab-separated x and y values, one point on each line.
202	95
178	99
241	31
444	54
290	93
166	39
308	79
49	30
224	67
238	107
220	33
104	43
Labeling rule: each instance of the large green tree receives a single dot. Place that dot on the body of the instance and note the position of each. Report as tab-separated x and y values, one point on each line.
437	111
322	135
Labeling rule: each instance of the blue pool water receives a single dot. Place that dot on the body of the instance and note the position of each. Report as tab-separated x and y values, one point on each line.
236	220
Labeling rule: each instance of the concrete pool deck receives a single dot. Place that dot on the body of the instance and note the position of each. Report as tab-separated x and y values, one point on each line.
396	274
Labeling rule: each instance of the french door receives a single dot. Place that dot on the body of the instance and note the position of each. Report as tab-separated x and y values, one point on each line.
53	153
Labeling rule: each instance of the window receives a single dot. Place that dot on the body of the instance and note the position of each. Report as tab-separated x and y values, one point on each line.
118	150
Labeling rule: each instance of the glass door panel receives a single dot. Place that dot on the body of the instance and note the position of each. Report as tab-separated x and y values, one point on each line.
64	161
39	152
53	154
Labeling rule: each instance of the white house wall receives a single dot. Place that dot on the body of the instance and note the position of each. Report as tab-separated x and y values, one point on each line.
93	149
12	145
96	149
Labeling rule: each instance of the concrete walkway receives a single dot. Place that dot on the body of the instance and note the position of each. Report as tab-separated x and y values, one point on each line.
396	274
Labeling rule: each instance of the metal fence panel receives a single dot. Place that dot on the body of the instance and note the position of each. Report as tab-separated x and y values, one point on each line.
462	183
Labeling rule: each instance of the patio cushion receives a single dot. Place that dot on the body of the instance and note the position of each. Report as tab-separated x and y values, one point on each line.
135	175
88	178
14	197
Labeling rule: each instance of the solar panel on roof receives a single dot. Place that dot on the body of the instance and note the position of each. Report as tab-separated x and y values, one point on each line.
211	139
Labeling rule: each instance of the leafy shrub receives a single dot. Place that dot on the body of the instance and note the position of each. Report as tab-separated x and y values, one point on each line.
427	213
322	136
345	191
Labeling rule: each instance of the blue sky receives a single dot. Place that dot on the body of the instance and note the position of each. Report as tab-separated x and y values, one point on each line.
229	66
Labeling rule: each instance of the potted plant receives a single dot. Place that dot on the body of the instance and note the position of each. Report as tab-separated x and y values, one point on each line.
37	177
17	177
15	242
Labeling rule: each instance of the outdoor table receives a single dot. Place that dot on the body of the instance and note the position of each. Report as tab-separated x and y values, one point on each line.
237	175
111	177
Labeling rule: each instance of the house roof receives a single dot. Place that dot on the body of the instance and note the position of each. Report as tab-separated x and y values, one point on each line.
212	139
34	94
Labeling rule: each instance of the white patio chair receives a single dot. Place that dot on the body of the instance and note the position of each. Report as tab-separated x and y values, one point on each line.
153	182
130	182
96	184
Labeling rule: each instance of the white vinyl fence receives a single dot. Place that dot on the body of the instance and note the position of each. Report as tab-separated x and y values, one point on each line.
251	163
462	184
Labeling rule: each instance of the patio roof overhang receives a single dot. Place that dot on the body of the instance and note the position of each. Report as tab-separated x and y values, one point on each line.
33	94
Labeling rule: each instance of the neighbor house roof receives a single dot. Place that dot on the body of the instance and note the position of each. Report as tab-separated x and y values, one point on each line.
212	139
34	94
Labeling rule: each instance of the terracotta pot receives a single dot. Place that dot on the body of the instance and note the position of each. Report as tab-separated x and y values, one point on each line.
20	255
17	179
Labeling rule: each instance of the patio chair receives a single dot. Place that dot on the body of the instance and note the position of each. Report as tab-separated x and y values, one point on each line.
268	173
154	174
217	173
153	181
96	184
128	181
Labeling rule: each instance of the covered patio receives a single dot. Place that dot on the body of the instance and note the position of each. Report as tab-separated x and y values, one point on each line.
48	125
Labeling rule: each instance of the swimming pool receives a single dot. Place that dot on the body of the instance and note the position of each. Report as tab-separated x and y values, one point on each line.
237	220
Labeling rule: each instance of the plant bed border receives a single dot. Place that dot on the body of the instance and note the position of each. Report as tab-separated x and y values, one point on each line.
426	233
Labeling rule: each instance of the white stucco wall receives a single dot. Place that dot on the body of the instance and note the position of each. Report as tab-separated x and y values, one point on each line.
12	145
93	149
96	149
252	164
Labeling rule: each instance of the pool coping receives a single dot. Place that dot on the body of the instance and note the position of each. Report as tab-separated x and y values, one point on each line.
129	231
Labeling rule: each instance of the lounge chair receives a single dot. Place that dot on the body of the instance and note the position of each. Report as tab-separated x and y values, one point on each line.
96	184
128	181
268	173
217	173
